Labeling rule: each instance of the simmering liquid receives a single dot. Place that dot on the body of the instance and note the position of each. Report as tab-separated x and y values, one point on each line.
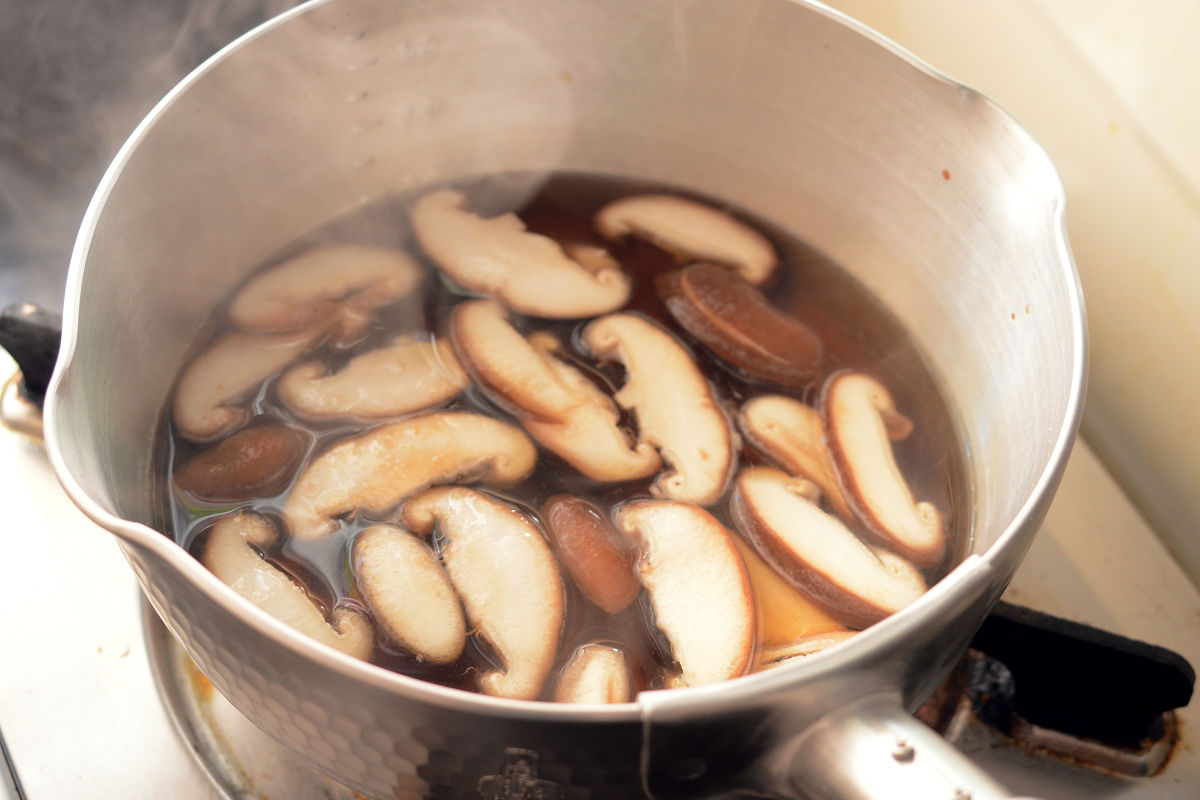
857	332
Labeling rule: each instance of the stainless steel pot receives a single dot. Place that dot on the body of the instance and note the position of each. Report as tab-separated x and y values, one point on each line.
931	195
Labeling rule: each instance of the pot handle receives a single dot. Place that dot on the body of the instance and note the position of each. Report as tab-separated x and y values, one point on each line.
31	335
873	748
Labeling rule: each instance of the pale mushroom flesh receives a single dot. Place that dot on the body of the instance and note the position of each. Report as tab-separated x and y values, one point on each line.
793	434
507	578
817	553
596	674
373	472
676	409
698	587
410	374
330	286
525	271
553	401
691	230
409	594
860	419
210	398
232	554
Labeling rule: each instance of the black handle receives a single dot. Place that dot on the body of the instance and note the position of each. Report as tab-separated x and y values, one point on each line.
1078	679
31	335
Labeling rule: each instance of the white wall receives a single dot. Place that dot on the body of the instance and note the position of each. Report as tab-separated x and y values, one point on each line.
1111	89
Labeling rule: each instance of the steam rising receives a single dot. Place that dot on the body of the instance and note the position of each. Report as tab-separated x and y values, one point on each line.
75	79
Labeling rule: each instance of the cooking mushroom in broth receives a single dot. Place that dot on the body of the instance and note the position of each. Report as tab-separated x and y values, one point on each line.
607	438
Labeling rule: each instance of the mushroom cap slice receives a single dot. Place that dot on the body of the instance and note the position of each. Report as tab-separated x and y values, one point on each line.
331	285
408	375
409	593
231	368
595	673
817	553
858	412
254	462
793	433
676	409
736	322
599	560
374	471
507	578
528	272
691	230
698	587
554	402
230	554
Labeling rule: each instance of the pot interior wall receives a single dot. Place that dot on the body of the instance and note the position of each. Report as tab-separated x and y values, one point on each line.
930	195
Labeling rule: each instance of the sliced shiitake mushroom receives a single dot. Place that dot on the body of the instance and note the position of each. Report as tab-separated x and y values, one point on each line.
860	417
817	553
554	402
691	230
409	593
779	655
793	434
408	375
374	471
231	553
507	578
208	398
254	462
595	673
697	585
527	272
677	411
599	560
331	286
737	323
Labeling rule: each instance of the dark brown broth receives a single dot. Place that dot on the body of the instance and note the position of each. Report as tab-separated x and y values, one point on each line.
856	330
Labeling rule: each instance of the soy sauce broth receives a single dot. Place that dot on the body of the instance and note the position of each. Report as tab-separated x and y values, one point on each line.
856	330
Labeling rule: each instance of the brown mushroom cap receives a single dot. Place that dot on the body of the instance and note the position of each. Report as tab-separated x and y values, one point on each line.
793	434
860	417
599	560
556	404
230	554
409	593
332	285
737	323
507	578
677	411
374	471
818	554
595	673
527	272
254	462
697	585
207	397
408	375
691	230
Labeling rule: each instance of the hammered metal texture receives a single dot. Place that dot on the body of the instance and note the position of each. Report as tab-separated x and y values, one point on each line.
379	743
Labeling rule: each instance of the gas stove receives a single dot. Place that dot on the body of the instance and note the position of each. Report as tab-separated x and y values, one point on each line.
97	701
